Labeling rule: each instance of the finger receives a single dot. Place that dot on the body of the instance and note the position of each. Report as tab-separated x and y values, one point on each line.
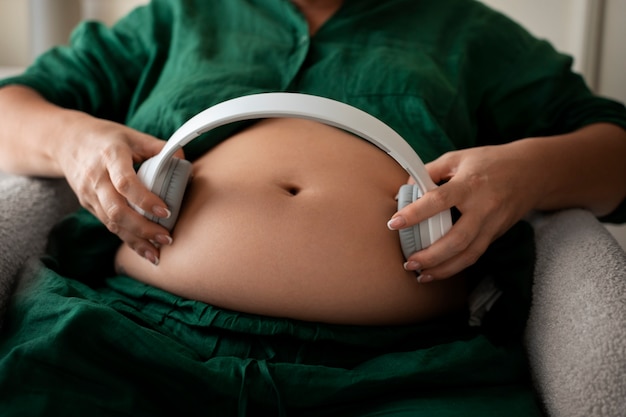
456	241
433	202
146	146
119	218
134	229
466	242
144	248
443	168
455	264
140	242
126	183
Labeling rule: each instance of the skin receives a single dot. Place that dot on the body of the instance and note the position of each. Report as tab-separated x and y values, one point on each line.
493	187
317	12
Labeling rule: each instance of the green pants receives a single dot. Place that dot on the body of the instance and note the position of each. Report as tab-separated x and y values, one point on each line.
120	347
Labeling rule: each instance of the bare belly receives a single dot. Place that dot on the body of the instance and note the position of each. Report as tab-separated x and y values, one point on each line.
288	219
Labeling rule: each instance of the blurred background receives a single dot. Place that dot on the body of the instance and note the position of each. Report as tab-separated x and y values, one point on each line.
591	31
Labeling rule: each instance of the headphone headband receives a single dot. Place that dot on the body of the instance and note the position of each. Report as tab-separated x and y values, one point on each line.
304	106
155	170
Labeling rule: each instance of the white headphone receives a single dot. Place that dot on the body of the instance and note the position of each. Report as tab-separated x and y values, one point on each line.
167	176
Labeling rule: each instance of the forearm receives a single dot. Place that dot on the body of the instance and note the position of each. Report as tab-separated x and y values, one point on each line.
586	168
32	132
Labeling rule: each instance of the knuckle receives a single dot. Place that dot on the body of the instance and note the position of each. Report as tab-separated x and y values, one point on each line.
82	190
137	245
83	201
471	256
92	180
115	213
121	183
476	184
476	180
427	259
459	241
141	200
90	171
439	198
110	152
112	226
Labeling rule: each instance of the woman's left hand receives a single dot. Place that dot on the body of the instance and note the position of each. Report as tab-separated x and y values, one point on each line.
493	187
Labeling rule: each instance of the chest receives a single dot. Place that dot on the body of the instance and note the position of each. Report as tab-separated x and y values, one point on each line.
403	77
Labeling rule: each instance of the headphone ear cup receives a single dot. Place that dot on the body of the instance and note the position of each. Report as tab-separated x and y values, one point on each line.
177	177
410	238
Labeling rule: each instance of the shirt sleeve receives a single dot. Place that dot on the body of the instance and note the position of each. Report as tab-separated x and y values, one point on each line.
101	70
530	89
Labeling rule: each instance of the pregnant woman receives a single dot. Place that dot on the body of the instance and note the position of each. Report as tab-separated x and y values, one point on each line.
282	289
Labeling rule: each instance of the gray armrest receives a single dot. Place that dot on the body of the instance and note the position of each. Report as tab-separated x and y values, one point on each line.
29	208
576	334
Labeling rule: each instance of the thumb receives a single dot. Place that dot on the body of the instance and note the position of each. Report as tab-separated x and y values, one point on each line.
146	146
443	168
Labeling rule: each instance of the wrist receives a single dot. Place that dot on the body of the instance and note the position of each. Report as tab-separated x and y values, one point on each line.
70	129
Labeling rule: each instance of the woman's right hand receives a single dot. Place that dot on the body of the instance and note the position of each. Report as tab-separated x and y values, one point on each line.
97	160
96	157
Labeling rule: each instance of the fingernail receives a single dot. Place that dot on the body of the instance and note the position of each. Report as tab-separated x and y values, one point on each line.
396	223
412	266
164	239
424	279
161	212
151	257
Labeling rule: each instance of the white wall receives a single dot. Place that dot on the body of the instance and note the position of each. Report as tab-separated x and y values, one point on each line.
612	71
18	44
109	11
14	38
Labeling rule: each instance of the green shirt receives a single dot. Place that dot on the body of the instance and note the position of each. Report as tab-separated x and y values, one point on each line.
446	75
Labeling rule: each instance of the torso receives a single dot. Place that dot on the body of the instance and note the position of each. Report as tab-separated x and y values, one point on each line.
288	218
